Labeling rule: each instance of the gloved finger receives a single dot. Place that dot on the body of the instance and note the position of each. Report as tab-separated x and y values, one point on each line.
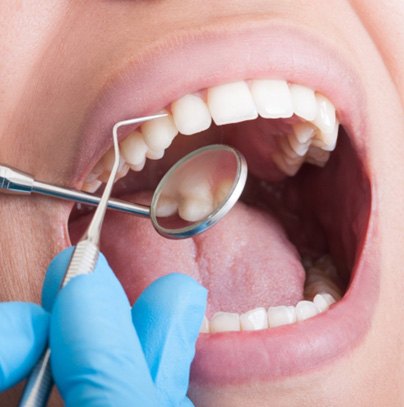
54	277
96	355
24	333
167	317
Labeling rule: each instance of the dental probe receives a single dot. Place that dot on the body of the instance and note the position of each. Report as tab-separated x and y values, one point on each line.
83	261
16	182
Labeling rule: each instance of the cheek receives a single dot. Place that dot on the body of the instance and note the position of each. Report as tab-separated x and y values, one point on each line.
383	20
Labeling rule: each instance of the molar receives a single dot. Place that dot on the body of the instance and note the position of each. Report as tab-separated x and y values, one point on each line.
323	301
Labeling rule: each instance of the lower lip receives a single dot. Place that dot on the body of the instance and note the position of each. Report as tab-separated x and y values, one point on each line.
239	357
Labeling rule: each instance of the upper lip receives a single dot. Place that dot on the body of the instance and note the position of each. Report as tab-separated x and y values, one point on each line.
184	62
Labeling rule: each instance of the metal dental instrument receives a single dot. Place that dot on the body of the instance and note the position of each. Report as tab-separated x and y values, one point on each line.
17	182
83	261
219	168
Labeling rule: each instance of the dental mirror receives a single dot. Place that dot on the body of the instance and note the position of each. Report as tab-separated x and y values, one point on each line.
198	191
193	195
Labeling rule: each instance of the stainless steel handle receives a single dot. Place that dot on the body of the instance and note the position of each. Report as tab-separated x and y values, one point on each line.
40	382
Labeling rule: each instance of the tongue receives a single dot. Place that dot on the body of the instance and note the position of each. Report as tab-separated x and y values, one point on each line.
245	261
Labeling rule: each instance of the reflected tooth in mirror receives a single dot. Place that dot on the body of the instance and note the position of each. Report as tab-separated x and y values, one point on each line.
134	149
254	320
222	190
225	322
305	310
231	103
304	101
166	206
272	98
191	115
325	118
204	326
159	133
194	209
281	315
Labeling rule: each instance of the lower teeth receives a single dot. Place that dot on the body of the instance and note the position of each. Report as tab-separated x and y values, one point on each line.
321	291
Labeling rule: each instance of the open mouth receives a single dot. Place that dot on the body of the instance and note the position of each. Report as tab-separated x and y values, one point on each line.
284	270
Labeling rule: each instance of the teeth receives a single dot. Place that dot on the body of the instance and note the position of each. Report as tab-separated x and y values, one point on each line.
303	132
272	98
304	102
159	133
134	149
225	322
281	315
323	301
191	115
91	187
222	191
166	206
325	118
231	103
317	156
305	310
309	141
194	209
286	166
155	155
322	277
327	141
204	326
322	269
254	320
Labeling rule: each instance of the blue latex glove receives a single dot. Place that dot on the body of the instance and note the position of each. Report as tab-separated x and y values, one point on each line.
24	331
98	358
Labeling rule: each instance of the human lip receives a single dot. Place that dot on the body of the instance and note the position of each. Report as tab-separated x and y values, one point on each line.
147	82
253	50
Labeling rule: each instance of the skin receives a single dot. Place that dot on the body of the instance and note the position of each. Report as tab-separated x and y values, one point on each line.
55	58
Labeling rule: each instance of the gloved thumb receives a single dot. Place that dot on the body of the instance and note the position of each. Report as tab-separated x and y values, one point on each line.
24	332
96	356
167	317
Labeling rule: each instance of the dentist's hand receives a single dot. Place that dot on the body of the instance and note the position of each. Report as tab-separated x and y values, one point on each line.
23	335
99	358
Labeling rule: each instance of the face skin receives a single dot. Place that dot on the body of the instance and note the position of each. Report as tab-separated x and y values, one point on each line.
57	57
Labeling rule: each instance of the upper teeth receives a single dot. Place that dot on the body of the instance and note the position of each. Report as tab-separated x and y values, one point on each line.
309	141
